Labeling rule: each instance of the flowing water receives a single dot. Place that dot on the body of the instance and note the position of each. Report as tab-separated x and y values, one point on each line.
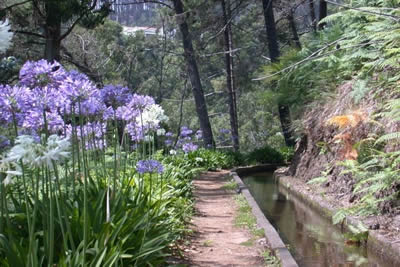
312	239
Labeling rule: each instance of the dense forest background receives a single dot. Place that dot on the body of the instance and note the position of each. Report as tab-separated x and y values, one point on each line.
155	64
249	74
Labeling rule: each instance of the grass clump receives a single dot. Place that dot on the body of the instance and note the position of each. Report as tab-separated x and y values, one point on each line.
245	217
208	243
270	259
230	185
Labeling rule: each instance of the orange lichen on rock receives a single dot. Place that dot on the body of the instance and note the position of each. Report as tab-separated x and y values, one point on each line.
349	120
348	151
349	124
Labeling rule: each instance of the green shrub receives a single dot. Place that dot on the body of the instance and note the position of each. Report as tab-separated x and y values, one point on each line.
287	153
235	158
265	155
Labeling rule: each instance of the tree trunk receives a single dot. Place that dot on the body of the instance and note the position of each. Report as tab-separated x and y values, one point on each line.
52	33
312	14
323	12
193	71
284	113
271	30
230	82
293	28
284	117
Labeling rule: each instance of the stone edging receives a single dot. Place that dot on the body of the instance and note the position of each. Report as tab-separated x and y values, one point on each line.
273	238
388	251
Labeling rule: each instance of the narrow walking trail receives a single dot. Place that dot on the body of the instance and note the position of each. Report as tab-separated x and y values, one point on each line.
216	240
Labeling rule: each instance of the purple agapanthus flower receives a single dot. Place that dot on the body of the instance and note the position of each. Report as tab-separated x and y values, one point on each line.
93	133
189	147
115	95
185	131
149	166
224	131
14	100
41	73
168	142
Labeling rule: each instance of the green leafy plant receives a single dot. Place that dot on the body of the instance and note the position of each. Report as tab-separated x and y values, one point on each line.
265	155
270	259
287	153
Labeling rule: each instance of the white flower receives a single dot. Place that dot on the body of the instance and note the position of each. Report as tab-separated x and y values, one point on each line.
10	169
34	154
25	150
172	152
57	149
152	116
161	132
5	36
10	174
199	159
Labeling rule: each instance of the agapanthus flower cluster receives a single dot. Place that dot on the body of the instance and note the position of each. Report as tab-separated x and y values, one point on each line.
15	101
45	95
92	133
168	141
149	166
185	139
186	131
115	95
50	98
189	147
142	116
224	136
41	73
31	153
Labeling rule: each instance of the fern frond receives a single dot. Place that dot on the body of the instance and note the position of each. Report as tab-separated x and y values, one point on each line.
389	137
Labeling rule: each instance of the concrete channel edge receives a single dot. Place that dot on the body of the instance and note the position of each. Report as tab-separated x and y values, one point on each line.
275	242
375	241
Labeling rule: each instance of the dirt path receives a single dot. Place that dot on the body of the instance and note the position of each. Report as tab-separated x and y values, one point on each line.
216	241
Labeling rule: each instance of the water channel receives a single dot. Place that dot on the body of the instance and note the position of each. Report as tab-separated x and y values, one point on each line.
312	239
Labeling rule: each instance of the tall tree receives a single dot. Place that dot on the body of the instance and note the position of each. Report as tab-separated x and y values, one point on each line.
194	75
312	15
270	25
293	28
53	20
323	12
230	81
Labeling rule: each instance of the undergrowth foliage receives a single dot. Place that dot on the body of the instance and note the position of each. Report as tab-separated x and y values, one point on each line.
81	181
370	39
359	44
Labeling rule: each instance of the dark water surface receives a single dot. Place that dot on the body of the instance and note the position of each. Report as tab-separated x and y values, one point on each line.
312	239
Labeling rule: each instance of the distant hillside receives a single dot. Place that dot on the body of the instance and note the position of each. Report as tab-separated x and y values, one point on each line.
128	14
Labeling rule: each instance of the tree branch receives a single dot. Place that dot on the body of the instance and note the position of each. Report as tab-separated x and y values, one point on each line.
30	33
77	21
72	27
300	62
313	57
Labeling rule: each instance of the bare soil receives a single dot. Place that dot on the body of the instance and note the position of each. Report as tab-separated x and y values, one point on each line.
216	240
